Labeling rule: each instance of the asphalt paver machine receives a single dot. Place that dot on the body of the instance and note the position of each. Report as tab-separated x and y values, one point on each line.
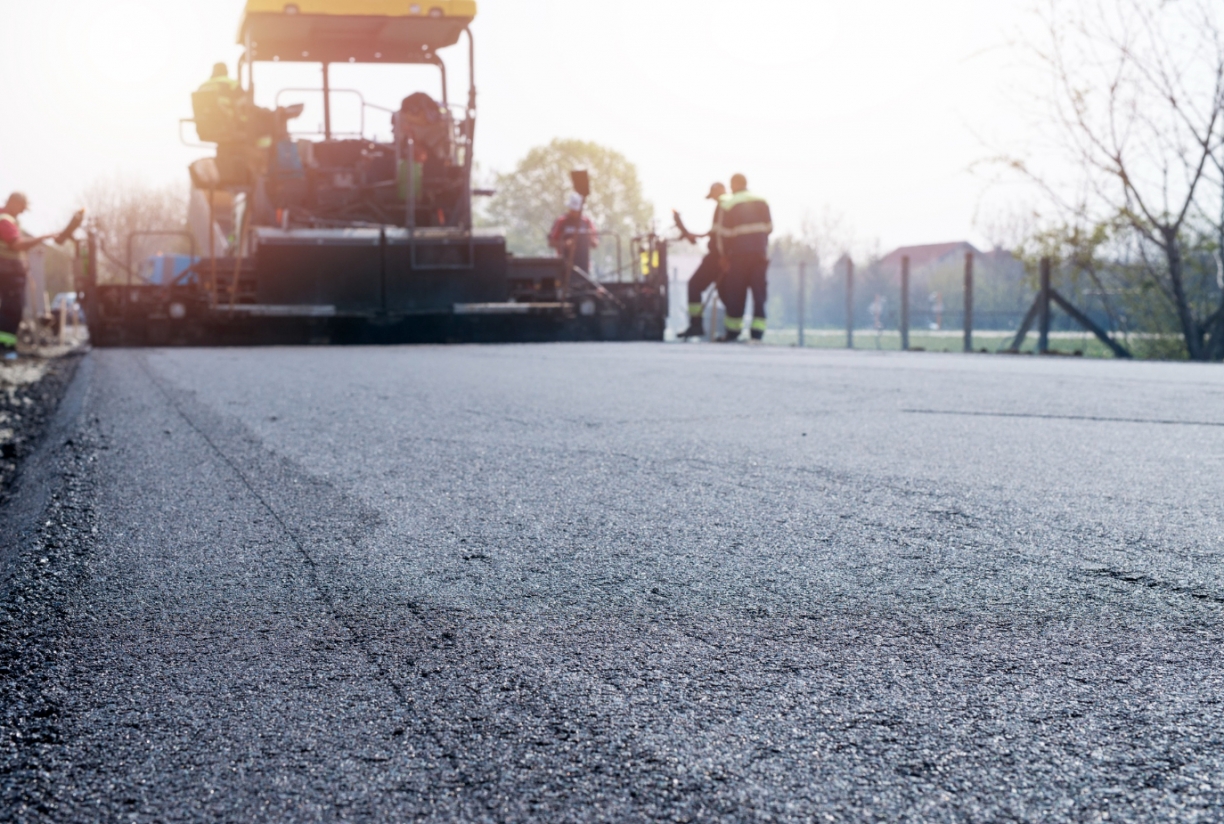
349	239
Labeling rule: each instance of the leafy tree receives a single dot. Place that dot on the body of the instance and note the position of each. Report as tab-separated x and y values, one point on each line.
530	198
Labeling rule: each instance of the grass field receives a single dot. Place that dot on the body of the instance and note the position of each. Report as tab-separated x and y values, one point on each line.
1067	343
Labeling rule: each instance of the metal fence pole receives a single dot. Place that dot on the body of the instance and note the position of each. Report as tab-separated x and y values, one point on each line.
849	303
905	290
802	298
1043	339
969	301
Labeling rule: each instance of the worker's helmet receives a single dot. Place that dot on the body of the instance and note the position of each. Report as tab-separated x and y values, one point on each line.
717	190
18	201
574	202
738	183
220	70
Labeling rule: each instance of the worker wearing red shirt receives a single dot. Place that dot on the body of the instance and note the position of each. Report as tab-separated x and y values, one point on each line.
575	230
13	248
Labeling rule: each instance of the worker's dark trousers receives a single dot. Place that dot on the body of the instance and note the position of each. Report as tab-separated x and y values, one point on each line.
747	274
12	297
707	275
582	254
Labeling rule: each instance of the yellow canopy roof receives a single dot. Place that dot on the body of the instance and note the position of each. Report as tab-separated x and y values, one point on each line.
362	31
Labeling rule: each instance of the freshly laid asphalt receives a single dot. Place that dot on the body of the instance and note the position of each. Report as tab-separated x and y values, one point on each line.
620	583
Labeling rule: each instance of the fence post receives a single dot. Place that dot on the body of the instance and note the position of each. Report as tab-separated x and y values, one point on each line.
802	298
905	290
1043	338
849	303
969	301
90	286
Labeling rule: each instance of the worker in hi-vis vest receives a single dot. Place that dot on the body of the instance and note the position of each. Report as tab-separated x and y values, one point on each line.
710	272
13	248
218	107
746	227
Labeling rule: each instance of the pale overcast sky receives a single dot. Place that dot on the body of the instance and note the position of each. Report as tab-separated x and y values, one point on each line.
875	109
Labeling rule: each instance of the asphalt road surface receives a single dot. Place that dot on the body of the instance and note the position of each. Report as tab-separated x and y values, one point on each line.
619	583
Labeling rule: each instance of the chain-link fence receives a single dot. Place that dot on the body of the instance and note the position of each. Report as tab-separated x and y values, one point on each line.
893	305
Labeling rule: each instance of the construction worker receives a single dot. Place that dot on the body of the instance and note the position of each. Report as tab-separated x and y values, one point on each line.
221	81
224	115
746	227
575	234
710	272
227	93
13	248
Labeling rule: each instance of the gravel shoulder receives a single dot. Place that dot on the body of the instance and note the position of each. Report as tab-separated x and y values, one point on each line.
30	392
45	527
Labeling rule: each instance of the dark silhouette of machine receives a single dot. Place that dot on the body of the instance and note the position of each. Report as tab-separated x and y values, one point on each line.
347	239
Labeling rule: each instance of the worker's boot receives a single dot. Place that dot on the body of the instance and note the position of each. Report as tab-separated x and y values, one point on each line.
728	337
758	329
696	328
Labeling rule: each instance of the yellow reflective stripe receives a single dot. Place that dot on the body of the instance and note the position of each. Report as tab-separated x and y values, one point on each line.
221	84
729	202
695	309
758	324
734	324
749	229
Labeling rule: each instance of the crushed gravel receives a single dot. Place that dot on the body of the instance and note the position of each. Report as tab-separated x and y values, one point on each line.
47	526
30	389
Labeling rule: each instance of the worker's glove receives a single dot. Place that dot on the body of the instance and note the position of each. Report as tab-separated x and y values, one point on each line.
684	232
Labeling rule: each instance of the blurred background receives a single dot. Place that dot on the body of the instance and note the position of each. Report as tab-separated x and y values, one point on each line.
879	107
873	128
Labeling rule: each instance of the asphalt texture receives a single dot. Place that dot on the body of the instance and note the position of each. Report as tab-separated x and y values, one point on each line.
620	583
